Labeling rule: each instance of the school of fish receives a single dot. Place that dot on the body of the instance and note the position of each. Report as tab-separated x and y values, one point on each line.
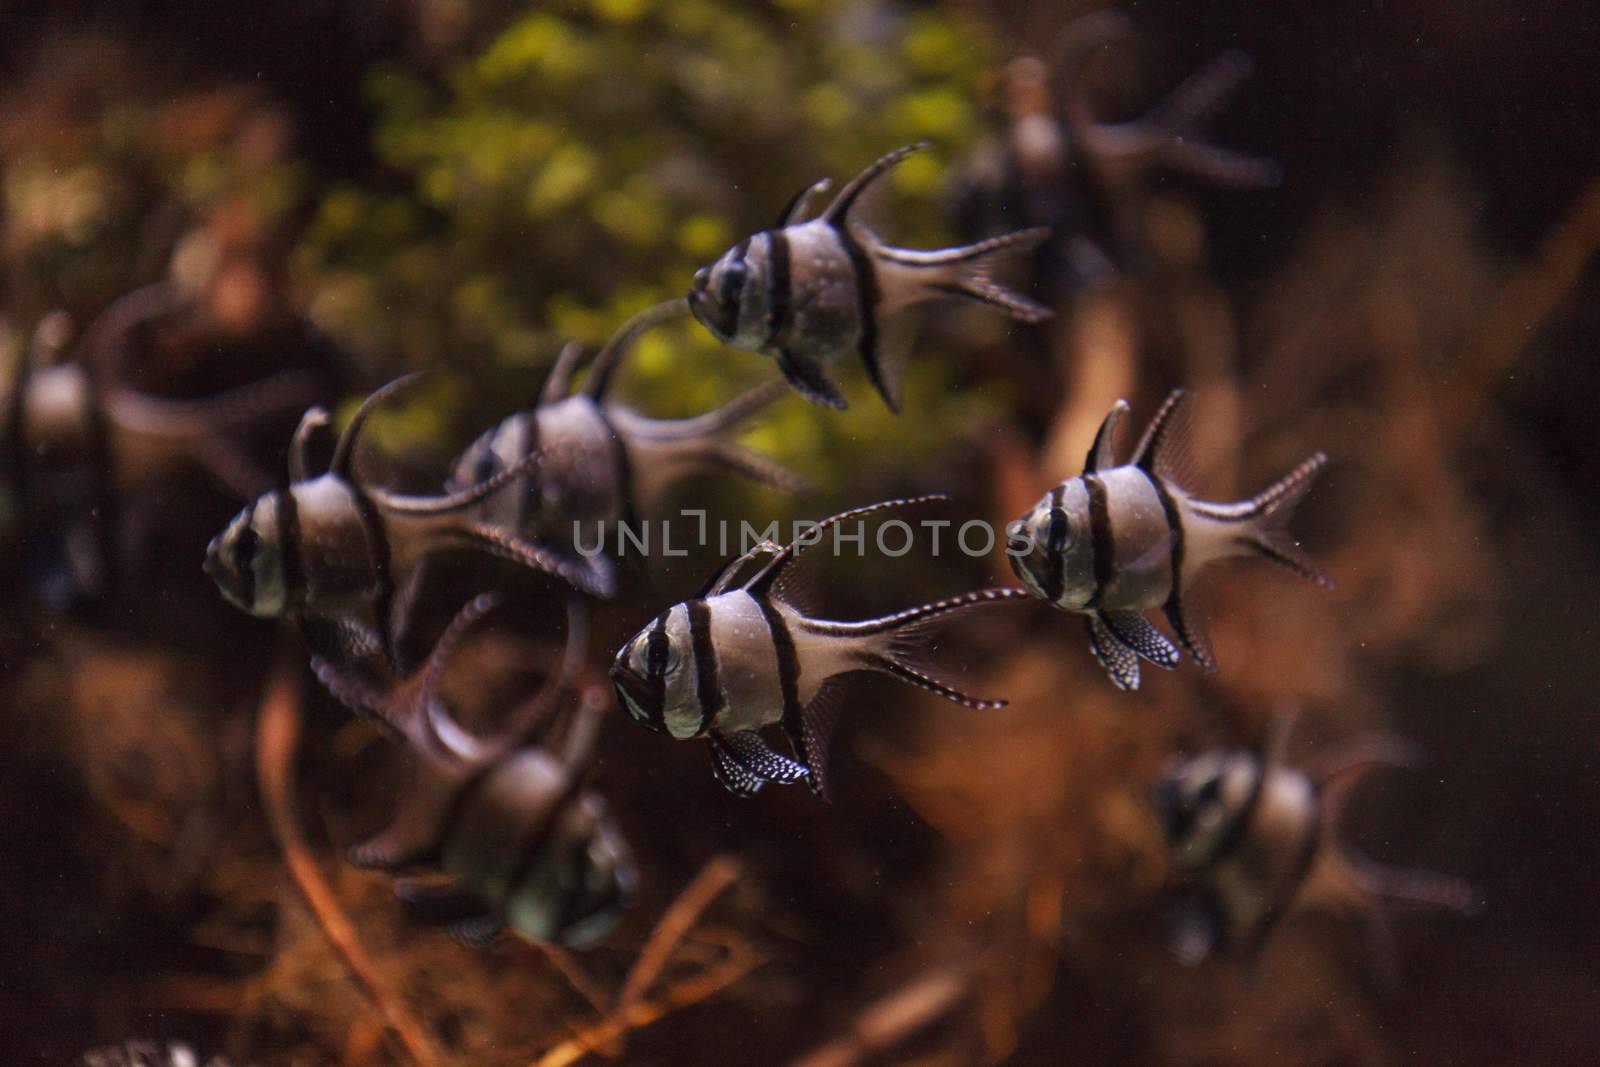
506	826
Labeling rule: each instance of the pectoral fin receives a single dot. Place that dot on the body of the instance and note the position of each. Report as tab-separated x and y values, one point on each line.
811	382
812	736
340	640
753	753
733	776
1196	928
462	913
480	931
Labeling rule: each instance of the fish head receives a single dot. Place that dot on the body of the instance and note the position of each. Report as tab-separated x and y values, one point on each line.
246	558
650	678
1049	548
581	881
1199	800
728	297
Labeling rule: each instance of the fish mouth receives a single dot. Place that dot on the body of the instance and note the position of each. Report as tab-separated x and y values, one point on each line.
1023	565
707	312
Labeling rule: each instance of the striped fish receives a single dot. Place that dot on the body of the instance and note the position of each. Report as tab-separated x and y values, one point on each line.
78	442
1171	136
1119	540
807	292
148	1054
739	658
603	460
330	550
1249	836
523	844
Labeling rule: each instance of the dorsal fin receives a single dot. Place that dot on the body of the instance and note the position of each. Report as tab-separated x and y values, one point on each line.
794	212
559	382
838	212
761	583
722	577
1164	448
611	354
344	450
312	424
1102	454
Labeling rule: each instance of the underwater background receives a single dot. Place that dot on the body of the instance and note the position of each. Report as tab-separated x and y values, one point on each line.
358	190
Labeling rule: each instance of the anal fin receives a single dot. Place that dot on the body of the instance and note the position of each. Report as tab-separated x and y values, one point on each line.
439	903
886	361
735	778
1191	634
812	736
811	381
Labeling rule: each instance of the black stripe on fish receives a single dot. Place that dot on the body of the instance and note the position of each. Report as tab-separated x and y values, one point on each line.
1173	608
624	467
1102	538
295	579
382	569
651	696
530	480
708	687
1239	828
788	661
1055	560
778	286
244	556
488	461
725	294
866	279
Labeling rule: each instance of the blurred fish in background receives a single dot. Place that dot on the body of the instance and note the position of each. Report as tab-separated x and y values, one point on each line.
1397	270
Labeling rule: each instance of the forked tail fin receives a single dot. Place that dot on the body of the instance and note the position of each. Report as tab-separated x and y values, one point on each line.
897	644
1264	519
968	271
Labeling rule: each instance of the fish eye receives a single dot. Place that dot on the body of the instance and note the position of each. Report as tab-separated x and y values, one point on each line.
735	275
246	544
660	657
